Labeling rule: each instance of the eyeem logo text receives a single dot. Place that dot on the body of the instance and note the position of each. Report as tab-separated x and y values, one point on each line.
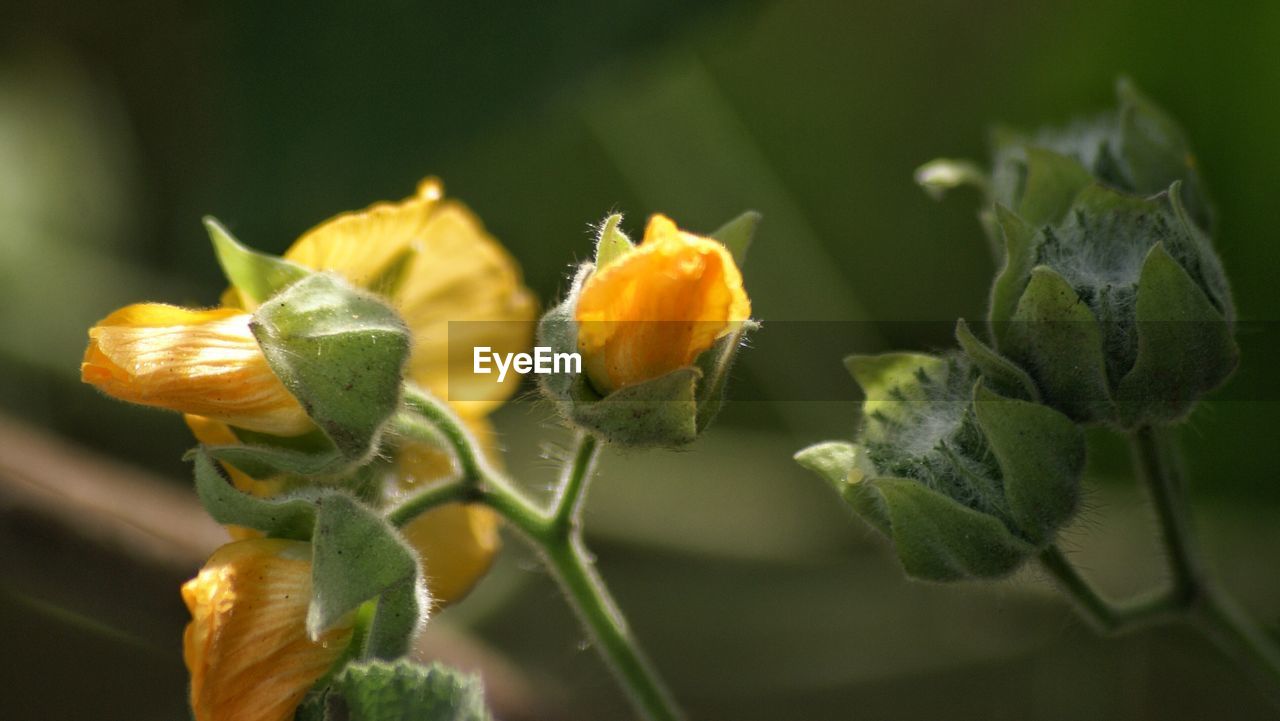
541	361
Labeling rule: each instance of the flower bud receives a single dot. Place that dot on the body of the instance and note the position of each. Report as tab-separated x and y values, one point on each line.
657	326
1120	312
204	362
967	483
246	647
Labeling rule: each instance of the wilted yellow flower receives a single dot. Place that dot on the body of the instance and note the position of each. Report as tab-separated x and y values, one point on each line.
247	647
197	361
657	307
434	262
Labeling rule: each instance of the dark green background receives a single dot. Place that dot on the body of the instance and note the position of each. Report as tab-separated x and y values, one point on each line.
122	123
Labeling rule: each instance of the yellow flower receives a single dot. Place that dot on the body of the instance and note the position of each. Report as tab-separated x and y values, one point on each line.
247	647
434	262
658	307
204	362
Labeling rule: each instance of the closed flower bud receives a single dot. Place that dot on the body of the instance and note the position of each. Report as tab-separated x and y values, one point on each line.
203	362
967	483
658	307
657	326
1120	312
246	647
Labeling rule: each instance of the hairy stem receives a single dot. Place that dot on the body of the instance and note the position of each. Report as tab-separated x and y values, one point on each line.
556	534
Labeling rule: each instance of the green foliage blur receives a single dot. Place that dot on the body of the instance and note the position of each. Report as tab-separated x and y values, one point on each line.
757	593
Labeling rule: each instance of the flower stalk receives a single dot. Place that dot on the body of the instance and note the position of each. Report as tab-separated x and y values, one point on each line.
556	533
1193	597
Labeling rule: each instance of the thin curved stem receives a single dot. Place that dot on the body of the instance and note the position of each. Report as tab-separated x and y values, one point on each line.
1209	608
556	534
1105	616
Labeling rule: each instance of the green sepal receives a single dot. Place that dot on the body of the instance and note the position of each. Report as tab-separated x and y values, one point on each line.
1018	238
257	276
1041	455
1154	151
939	539
612	243
358	556
1000	372
737	234
1052	183
341	353
558	331
1056	338
715	364
889	380
292	516
398	691
266	461
1185	345
658	412
830	459
388	281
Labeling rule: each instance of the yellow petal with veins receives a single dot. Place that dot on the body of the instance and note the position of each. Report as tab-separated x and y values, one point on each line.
205	362
246	647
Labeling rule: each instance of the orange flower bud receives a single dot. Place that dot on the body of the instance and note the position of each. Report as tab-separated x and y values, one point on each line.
247	647
657	307
204	362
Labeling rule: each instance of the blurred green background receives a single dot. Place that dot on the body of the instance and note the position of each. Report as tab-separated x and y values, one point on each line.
759	596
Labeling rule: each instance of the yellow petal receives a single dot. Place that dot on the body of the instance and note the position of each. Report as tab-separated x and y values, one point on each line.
205	362
456	541
658	307
246	647
459	289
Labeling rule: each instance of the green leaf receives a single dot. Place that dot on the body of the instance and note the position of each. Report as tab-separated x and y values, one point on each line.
938	539
612	243
737	234
1052	183
830	459
1041	455
257	276
1185	346
358	556
715	364
282	517
341	352
405	691
658	412
1000	372
1055	337
1012	280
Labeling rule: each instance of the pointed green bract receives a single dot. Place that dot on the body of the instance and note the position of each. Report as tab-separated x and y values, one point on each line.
1041	455
257	276
358	556
659	412
290	516
938	539
1185	346
612	243
831	459
1056	338
737	234
1052	183
889	380
341	353
1014	275
1000	372
715	364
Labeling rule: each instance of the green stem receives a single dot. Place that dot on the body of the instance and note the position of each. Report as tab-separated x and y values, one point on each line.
1208	608
1107	617
1157	469
556	534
